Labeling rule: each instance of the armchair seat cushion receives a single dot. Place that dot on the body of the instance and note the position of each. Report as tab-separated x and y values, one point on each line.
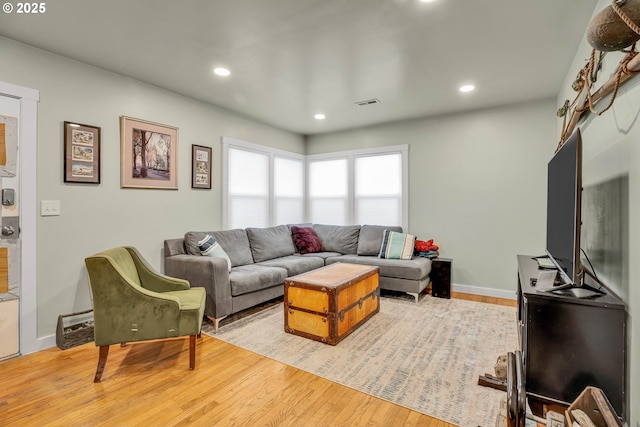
189	300
191	309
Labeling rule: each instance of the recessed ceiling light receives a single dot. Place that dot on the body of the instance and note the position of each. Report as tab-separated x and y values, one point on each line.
319	116
221	71
467	88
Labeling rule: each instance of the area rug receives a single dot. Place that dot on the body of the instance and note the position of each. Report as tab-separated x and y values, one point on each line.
425	356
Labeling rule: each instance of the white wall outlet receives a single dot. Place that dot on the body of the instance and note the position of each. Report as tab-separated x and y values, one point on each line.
50	207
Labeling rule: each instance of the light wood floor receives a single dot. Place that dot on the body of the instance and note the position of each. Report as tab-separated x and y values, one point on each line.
149	384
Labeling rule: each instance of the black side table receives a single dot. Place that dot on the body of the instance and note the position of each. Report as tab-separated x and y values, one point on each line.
441	277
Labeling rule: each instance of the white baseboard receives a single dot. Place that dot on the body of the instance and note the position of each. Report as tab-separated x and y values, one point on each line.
489	292
41	343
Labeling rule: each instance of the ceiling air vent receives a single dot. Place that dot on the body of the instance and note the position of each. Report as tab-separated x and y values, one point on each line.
368	102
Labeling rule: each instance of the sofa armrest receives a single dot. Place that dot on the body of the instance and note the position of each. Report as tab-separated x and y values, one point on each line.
210	273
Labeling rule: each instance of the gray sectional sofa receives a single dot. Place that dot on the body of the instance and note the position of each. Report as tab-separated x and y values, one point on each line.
262	258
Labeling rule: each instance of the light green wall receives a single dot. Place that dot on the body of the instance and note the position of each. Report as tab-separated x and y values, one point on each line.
611	147
96	217
477	184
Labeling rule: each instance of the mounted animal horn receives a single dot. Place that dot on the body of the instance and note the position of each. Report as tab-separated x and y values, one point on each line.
615	27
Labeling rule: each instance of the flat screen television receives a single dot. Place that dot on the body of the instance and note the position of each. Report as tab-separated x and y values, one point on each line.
564	191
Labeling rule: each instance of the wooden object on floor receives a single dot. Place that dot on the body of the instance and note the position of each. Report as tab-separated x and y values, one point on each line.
441	277
231	386
596	406
488	380
78	333
329	303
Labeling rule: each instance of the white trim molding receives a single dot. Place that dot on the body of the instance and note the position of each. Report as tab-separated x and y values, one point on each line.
489	292
27	151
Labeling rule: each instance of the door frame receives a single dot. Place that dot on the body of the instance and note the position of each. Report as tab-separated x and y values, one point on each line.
27	152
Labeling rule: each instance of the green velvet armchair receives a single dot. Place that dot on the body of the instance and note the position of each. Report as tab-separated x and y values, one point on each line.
132	302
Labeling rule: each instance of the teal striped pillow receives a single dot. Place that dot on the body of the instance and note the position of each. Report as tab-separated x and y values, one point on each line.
397	245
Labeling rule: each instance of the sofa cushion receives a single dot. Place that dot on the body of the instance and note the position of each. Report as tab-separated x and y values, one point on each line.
397	245
209	247
338	238
413	269
370	239
269	243
253	277
295	264
234	242
306	240
323	255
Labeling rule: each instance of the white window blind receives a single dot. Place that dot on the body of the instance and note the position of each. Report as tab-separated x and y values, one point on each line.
378	189
264	186
288	190
328	191
247	188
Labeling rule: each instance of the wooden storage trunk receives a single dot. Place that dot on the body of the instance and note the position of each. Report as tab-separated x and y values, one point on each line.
329	303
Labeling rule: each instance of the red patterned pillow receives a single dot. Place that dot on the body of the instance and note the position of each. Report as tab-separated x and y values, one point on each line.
306	240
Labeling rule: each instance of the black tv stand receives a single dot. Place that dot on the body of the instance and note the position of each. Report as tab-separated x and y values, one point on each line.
569	343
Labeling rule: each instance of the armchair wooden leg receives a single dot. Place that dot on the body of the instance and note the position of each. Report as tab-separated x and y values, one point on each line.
102	361
192	352
199	335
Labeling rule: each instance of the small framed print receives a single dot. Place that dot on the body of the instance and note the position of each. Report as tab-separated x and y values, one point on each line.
81	153
200	167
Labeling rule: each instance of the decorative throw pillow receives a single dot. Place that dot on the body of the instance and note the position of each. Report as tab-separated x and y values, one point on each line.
306	240
209	247
397	245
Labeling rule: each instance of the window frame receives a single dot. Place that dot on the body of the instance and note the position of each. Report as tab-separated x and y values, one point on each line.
272	153
351	155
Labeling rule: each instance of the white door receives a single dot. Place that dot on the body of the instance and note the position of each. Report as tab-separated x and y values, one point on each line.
9	228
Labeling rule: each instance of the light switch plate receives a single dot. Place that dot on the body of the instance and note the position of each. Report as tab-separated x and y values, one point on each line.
50	207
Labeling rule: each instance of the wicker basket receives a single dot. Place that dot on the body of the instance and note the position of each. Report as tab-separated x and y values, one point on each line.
76	333
595	404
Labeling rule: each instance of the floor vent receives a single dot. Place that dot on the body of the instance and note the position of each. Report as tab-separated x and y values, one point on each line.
367	102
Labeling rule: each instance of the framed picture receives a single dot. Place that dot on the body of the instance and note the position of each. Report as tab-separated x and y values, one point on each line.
149	155
81	153
200	167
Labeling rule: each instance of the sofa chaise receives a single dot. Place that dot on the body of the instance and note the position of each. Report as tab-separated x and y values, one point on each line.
256	261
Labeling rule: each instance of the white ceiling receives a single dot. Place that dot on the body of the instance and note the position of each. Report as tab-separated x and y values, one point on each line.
293	58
